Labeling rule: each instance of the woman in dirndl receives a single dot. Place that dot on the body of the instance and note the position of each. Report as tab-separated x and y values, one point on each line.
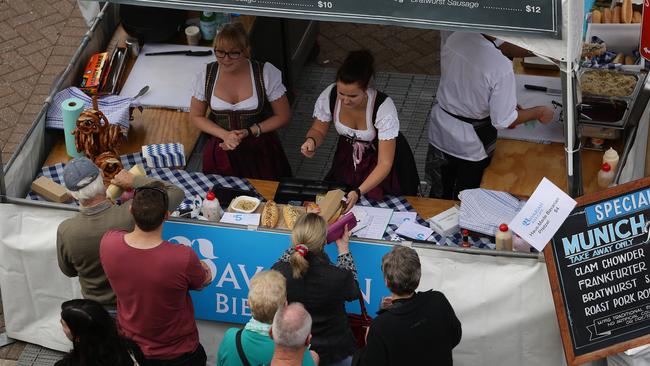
247	104
372	157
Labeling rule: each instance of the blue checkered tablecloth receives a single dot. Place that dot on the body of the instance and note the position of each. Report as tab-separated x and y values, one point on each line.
192	183
196	183
401	204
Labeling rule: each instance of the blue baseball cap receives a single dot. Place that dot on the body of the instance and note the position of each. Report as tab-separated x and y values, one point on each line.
79	173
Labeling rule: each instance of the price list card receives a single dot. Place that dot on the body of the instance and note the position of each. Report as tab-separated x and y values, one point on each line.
512	16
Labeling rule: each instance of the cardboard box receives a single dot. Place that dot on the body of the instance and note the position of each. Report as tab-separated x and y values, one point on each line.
48	189
446	222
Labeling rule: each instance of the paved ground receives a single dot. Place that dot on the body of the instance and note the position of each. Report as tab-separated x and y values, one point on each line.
396	49
37	39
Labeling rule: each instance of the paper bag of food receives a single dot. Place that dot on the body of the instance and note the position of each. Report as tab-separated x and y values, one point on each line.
330	206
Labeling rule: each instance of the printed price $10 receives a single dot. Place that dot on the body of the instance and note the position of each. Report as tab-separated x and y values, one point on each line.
325	4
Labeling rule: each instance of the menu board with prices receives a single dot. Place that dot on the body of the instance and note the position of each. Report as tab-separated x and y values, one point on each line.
599	273
542	17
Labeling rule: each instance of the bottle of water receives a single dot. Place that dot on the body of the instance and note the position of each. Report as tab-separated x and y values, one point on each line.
208	25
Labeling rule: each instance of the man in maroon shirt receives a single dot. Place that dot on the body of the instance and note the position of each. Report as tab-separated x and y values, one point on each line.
152	278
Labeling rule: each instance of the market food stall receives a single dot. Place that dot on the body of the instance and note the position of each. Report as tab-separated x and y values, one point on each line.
502	299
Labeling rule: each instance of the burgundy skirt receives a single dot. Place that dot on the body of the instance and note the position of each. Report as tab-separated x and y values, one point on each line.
256	157
344	171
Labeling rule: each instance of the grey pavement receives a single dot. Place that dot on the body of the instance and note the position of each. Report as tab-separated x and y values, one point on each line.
37	39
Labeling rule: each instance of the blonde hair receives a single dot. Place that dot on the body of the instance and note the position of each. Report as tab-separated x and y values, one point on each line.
267	292
233	35
309	230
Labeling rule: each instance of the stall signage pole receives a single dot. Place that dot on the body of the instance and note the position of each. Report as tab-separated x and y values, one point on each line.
542	17
644	47
598	267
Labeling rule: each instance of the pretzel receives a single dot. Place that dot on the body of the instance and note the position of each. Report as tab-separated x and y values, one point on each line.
110	164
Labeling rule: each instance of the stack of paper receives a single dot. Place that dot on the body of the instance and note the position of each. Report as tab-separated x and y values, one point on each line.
371	221
164	155
483	210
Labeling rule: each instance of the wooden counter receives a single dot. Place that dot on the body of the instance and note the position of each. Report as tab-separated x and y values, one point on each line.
152	126
518	167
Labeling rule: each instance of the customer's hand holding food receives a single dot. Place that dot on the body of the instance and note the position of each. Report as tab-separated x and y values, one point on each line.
308	148
123	179
343	244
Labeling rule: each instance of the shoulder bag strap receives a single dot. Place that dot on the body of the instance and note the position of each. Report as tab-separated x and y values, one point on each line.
362	305
240	349
135	362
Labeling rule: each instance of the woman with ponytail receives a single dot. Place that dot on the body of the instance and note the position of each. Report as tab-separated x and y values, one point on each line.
372	156
322	287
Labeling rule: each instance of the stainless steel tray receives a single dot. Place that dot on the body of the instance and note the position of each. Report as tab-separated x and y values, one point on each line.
614	101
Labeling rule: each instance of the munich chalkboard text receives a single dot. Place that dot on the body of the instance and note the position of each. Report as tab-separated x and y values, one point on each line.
601	272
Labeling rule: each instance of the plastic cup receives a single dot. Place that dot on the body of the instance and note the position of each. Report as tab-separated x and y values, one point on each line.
193	34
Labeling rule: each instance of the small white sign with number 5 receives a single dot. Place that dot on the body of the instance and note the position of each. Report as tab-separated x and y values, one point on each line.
240	218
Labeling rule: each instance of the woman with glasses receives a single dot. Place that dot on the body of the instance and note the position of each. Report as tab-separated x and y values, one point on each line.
371	156
247	102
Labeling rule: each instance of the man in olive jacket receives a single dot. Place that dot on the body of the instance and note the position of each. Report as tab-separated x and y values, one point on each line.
77	238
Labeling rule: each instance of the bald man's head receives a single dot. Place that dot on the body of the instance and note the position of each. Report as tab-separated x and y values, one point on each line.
291	326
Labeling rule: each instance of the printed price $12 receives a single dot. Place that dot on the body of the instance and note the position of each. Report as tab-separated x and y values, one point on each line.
530	9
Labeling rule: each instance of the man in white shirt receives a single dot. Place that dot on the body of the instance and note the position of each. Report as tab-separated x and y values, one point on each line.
476	96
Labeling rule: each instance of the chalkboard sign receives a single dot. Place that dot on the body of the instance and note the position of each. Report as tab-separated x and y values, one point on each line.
599	273
542	17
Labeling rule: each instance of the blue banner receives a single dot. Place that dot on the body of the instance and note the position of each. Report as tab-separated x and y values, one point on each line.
235	255
617	207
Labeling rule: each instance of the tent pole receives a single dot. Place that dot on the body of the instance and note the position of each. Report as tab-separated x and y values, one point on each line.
571	133
3	188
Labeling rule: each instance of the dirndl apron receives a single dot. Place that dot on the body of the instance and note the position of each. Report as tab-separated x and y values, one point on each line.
354	160
256	157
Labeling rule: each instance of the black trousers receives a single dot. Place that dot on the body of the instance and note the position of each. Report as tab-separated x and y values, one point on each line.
450	175
196	358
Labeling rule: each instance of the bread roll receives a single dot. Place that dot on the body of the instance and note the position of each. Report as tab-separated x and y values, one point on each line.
270	215
596	16
290	215
607	15
629	60
619	59
626	12
616	15
636	17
